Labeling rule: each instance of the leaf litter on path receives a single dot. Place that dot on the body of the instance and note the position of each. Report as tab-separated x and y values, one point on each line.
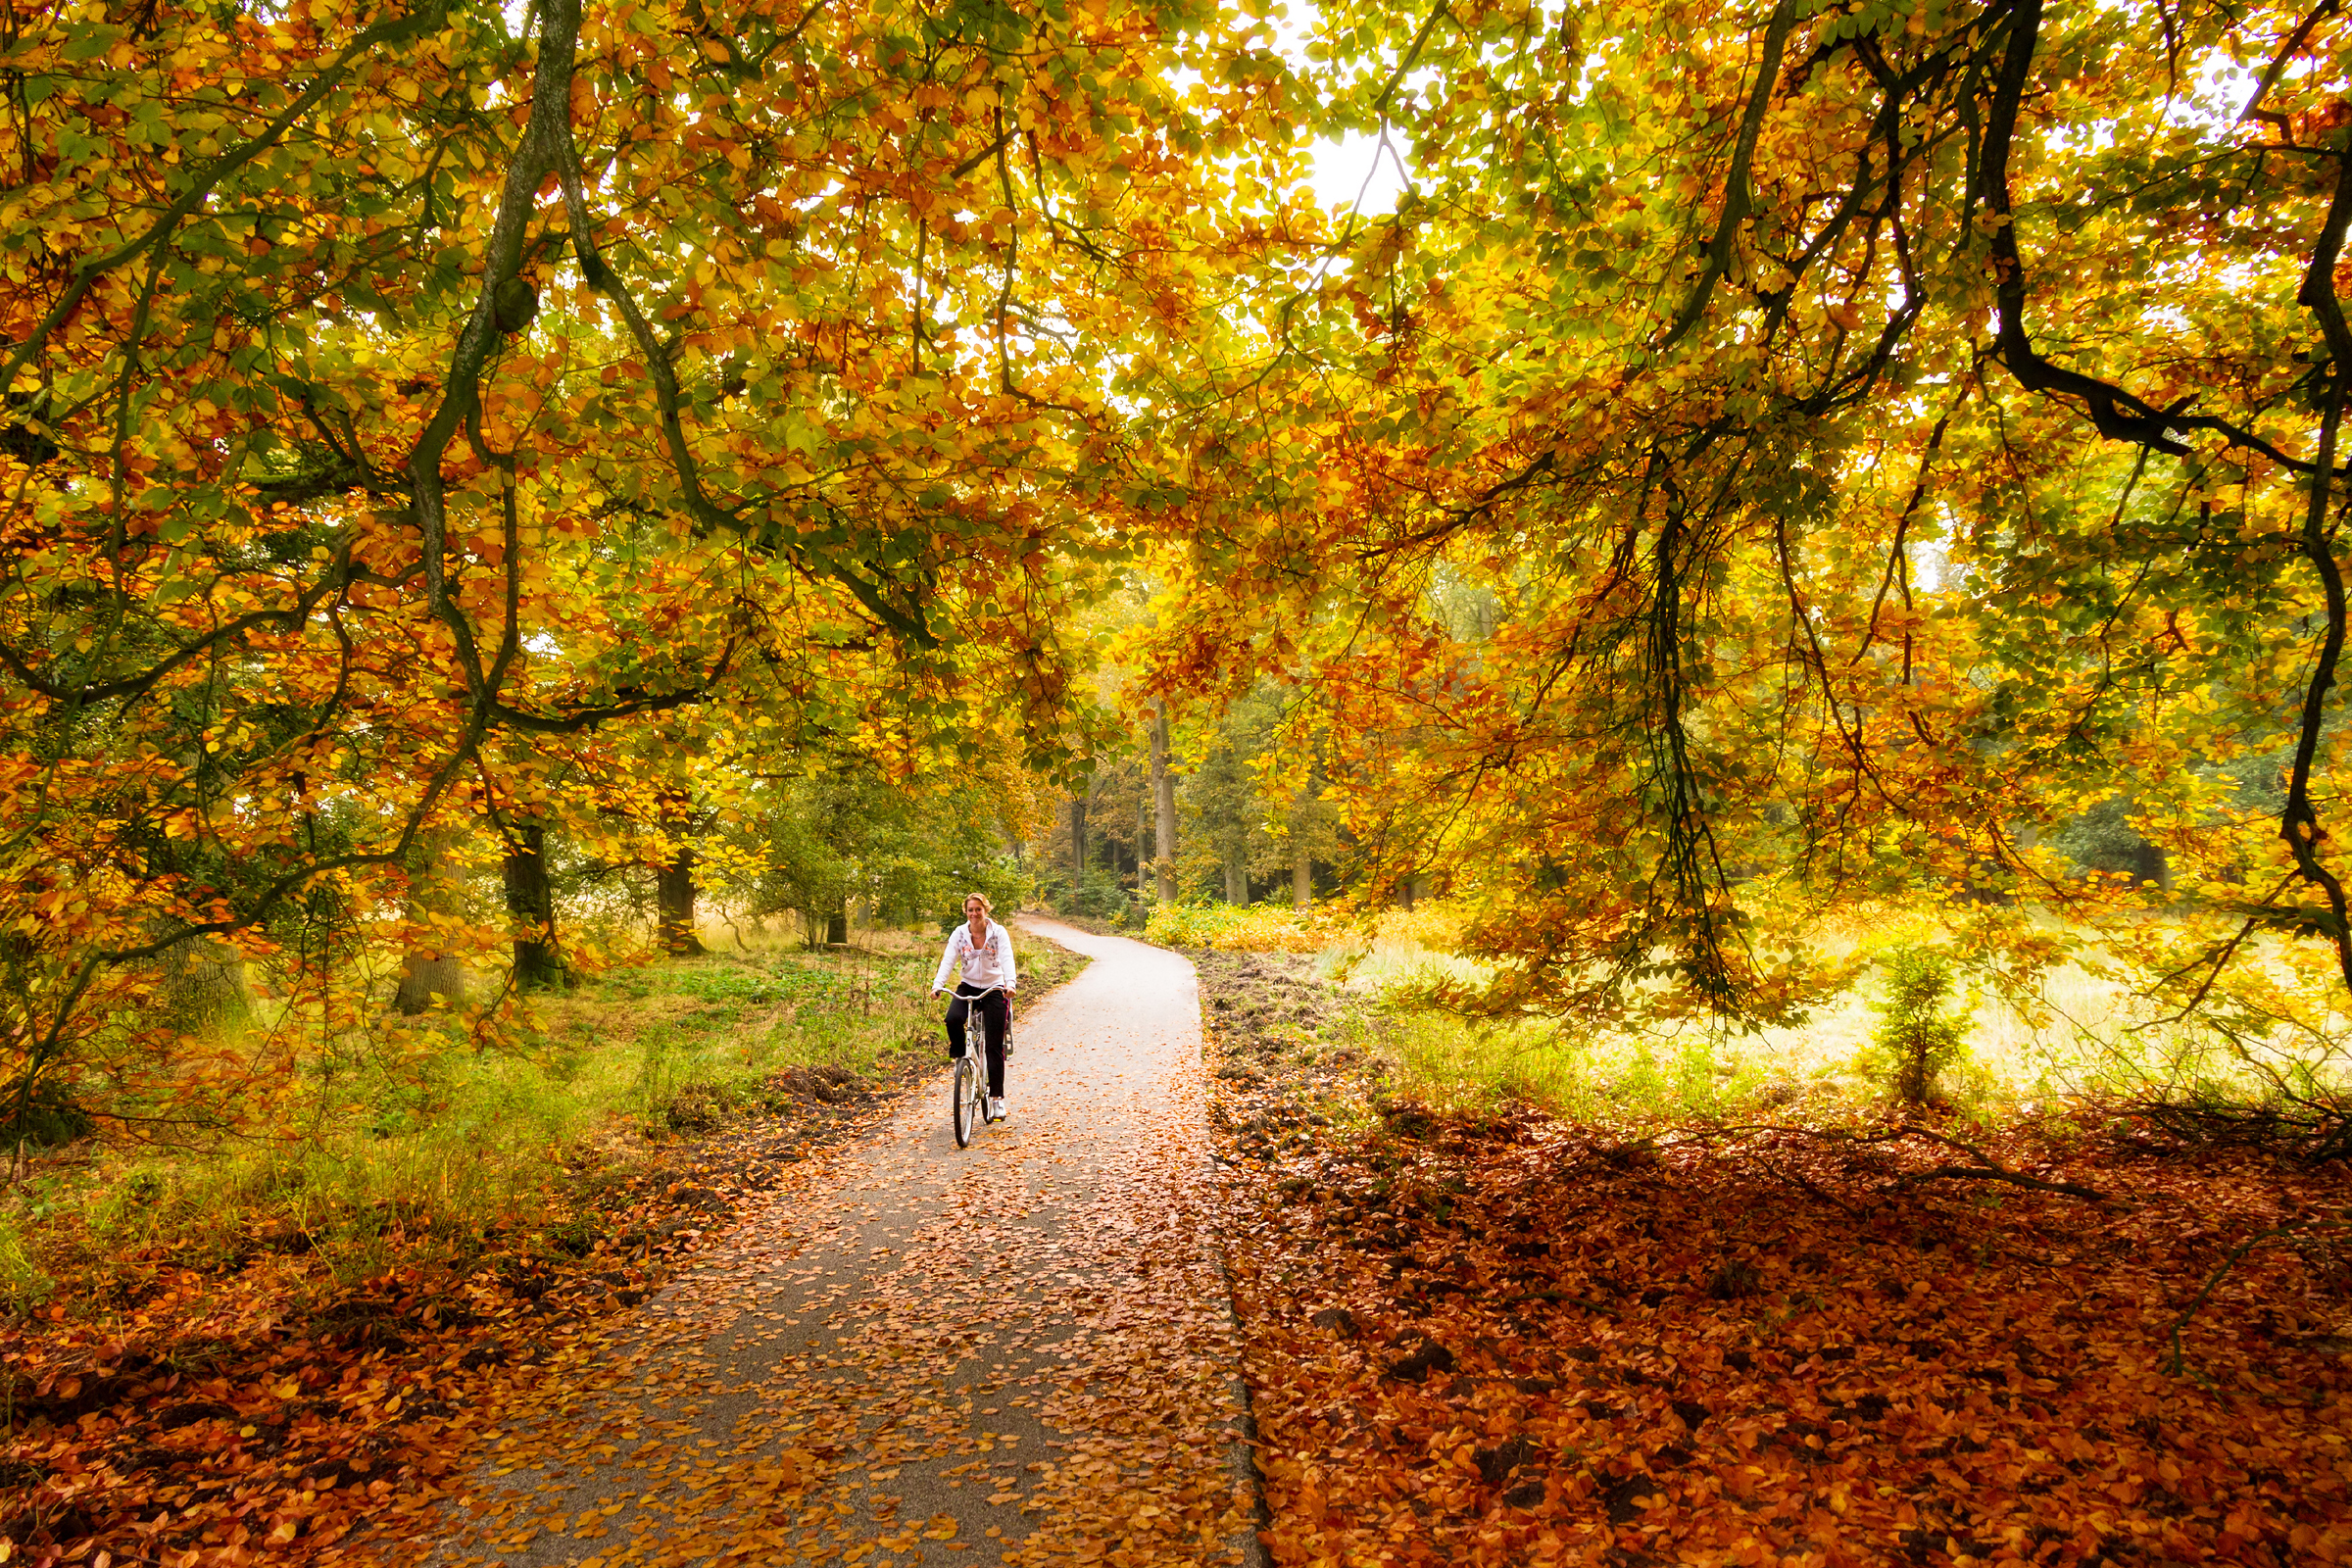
1020	1352
187	1414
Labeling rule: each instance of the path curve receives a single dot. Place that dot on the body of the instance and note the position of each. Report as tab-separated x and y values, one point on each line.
848	1378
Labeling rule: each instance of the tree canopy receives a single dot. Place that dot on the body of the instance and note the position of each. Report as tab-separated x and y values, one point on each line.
1862	436
1770	460
432	415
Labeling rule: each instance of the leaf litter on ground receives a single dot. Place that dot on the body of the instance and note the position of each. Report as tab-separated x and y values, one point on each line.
1495	1339
190	1416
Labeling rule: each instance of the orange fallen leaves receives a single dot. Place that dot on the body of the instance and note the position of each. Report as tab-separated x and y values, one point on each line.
259	1413
880	1363
1508	1341
1689	1361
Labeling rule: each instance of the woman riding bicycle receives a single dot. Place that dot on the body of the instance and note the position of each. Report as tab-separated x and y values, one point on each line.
985	950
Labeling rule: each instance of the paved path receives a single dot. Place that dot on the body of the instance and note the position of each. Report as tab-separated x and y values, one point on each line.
1019	1352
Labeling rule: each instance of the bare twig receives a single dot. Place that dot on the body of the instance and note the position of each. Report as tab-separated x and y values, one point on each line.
1985	1169
2230	1261
1988	1173
1799	1180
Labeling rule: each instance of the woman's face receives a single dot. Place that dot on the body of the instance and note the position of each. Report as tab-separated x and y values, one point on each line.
975	911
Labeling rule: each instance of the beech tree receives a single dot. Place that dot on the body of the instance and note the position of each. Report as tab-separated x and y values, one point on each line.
1881	432
406	405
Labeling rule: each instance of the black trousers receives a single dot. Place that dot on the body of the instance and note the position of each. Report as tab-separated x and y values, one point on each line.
996	1015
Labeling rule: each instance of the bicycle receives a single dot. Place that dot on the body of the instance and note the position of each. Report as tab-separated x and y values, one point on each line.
967	1105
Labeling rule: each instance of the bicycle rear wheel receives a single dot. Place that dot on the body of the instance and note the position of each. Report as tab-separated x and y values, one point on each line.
965	1106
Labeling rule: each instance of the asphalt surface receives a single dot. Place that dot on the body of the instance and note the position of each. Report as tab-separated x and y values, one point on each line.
1022	1352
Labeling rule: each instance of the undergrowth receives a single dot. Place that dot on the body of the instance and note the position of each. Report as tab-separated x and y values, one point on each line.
1972	1057
438	1155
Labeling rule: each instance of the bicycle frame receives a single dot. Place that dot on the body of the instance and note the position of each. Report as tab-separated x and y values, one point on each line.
968	1095
972	1007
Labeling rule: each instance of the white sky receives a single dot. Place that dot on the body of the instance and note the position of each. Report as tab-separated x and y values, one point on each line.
1358	162
1343	166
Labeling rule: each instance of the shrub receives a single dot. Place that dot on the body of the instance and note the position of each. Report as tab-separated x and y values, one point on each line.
1917	1039
1234	929
1189	925
1433	923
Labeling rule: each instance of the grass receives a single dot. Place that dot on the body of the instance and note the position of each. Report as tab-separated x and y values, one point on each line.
383	1156
2091	1036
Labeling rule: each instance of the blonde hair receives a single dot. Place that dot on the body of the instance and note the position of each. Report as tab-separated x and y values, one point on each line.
986	907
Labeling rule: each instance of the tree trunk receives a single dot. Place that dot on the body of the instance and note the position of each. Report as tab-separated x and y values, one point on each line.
673	891
428	972
1237	878
204	984
1302	875
427	975
1077	840
532	900
1164	804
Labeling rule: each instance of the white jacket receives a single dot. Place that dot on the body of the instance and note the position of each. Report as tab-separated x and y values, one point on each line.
988	963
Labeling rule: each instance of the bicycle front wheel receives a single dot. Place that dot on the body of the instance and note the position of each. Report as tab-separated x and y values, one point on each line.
966	1106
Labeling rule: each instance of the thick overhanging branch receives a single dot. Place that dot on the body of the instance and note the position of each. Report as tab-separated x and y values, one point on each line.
459	409
534	159
706	515
2116	413
1735	201
338	577
577	719
2121	416
2298	819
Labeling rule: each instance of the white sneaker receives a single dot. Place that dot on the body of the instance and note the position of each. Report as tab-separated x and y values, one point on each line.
996	1107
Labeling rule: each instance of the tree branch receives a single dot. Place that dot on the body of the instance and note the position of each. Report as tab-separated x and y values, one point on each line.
396	30
2298	818
2230	1261
2116	413
1735	183
582	718
2294	42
